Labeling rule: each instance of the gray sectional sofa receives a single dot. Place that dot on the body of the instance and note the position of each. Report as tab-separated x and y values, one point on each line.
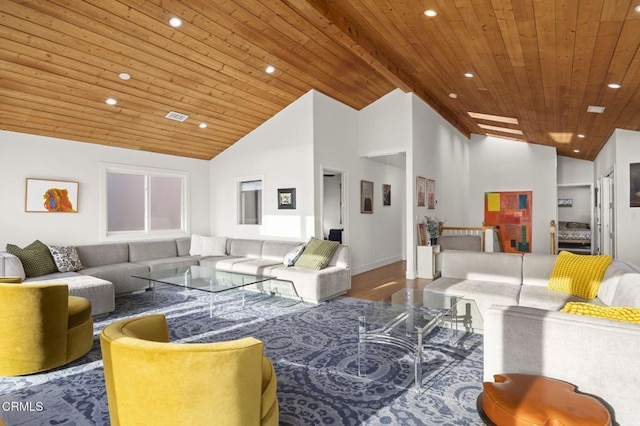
109	268
524	332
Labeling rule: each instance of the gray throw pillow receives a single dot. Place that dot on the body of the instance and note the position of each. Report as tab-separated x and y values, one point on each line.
291	257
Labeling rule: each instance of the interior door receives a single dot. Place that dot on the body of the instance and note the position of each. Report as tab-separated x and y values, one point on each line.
607	231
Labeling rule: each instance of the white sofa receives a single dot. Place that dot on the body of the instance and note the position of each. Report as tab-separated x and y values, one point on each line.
524	332
109	268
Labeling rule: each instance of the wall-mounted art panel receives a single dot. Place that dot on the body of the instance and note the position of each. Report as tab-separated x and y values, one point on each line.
511	212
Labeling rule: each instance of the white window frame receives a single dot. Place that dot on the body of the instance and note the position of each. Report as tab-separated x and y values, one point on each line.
105	235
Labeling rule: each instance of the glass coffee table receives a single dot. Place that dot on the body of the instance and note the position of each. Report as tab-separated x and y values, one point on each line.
204	279
405	326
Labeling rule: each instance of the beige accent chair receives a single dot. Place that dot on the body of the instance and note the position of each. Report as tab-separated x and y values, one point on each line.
41	326
152	381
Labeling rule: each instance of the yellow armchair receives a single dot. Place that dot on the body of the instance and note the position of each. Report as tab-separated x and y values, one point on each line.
41	327
152	381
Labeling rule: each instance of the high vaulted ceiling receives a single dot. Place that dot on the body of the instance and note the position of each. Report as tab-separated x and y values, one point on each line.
540	62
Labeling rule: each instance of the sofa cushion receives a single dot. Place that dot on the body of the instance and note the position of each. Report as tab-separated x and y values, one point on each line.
317	254
245	248
197	243
481	266
484	293
66	258
628	291
609	312
542	298
214	246
93	255
537	268
149	250
183	245
36	258
460	242
577	274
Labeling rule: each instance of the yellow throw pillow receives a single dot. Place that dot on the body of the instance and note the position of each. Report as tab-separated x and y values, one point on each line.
608	312
579	275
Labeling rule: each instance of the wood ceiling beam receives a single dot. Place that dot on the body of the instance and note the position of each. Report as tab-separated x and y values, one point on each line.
336	25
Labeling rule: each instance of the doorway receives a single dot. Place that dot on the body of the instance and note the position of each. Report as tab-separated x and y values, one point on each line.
607	215
576	230
333	206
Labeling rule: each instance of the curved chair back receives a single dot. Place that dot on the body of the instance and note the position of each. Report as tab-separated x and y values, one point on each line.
39	330
152	381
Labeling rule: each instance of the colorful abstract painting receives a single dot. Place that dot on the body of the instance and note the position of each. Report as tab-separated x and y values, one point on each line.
511	212
51	196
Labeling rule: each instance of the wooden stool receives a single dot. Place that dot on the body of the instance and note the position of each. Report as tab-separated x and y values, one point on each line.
521	399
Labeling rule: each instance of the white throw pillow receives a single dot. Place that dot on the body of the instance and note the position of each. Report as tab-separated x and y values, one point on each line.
214	246
197	243
291	257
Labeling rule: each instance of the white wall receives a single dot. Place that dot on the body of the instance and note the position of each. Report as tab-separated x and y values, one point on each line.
280	152
580	210
32	156
573	171
502	165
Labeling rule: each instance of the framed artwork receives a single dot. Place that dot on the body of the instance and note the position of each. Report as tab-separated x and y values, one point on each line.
366	196
422	234
565	202
431	194
386	194
51	196
634	185
287	198
421	188
511	212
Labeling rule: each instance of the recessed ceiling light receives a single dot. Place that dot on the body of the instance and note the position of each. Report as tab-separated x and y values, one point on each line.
124	76
175	22
110	101
576	150
595	109
581	136
270	69
614	85
453	95
468	74
202	125
638	8
430	13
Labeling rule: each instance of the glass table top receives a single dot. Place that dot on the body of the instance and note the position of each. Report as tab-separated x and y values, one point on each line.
202	278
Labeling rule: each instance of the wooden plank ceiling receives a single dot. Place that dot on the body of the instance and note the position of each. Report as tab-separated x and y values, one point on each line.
540	62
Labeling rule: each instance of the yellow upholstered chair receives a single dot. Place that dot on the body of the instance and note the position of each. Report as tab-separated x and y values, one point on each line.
151	381
41	327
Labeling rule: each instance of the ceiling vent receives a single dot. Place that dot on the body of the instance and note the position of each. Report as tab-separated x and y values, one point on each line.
172	115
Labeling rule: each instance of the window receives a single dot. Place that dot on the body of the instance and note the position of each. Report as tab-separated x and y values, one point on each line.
250	206
143	202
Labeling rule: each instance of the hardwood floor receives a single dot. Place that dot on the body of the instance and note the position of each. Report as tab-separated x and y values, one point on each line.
387	283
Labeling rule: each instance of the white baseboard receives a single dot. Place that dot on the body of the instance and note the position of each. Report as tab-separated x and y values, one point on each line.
374	265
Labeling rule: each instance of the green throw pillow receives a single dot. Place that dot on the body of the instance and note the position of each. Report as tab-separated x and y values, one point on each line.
36	258
317	254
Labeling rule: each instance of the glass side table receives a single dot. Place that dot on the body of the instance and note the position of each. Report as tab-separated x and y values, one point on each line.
404	326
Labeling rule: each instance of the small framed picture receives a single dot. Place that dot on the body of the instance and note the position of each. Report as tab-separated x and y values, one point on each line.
366	196
565	202
386	194
287	198
51	196
421	190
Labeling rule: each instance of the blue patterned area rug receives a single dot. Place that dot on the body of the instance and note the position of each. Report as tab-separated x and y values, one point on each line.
314	352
